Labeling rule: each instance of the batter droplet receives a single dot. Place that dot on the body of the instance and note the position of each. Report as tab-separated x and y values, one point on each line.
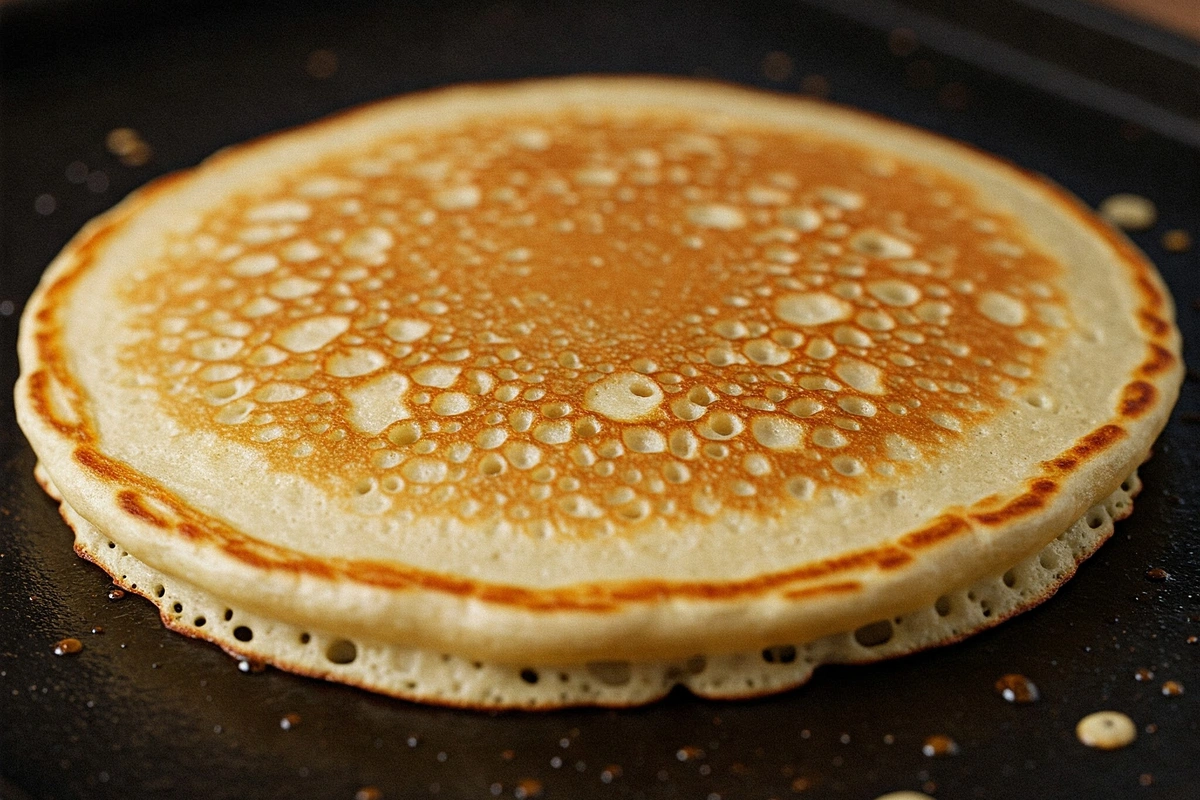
1106	730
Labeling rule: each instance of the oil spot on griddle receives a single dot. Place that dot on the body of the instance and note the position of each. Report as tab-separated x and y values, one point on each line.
321	64
527	788
1016	688
939	745
76	172
67	647
815	85
128	146
1177	240
903	42
777	66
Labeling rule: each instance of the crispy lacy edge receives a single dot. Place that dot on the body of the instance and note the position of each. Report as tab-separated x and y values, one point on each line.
449	680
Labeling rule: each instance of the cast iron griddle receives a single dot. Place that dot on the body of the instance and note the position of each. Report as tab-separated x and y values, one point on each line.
142	712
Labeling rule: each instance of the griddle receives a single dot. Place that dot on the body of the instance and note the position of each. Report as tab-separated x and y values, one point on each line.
1096	102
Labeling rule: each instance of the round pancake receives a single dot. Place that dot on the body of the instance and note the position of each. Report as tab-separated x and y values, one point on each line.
593	369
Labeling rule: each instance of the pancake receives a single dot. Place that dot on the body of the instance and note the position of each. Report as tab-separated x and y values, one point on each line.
569	391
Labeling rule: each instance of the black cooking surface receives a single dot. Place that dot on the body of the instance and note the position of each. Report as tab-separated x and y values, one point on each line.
141	712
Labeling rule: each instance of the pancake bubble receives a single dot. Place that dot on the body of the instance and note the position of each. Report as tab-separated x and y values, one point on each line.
425	470
821	349
216	348
947	421
553	433
644	440
778	433
625	397
312	334
377	404
829	438
451	404
894	292
458	198
280	211
812	308
878	244
1003	308
718	216
720	426
860	375
523	455
252	266
842	198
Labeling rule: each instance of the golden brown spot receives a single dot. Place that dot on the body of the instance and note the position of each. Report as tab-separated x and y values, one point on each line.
1035	498
101	466
890	558
1153	323
941	529
1137	398
817	591
1159	361
191	531
1095	442
132	504
40	384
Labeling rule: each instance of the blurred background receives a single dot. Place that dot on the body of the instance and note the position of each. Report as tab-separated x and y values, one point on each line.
1180	15
97	97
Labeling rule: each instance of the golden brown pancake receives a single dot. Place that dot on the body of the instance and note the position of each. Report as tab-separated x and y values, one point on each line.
673	378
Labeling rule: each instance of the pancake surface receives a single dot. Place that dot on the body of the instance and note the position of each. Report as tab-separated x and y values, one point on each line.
593	370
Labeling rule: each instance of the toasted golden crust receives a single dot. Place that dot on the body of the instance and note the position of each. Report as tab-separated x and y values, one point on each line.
595	367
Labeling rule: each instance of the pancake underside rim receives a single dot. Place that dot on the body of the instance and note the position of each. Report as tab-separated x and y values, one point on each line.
431	677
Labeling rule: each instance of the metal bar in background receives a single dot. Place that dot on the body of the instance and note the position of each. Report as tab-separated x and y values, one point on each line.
1005	47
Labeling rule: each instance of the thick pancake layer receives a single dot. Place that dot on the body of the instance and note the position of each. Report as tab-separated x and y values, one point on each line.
594	368
429	676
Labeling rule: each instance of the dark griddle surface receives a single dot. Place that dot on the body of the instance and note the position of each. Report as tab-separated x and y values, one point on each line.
145	713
